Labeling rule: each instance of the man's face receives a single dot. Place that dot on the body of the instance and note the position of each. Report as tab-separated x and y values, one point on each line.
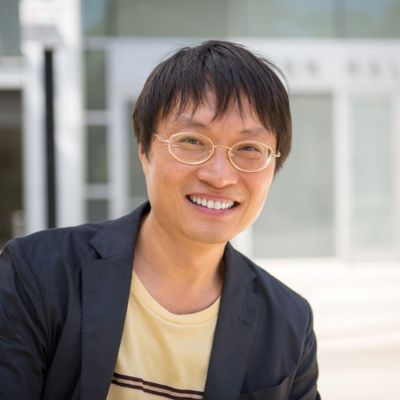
174	189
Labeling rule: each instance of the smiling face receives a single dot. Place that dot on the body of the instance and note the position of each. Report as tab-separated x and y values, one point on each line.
211	202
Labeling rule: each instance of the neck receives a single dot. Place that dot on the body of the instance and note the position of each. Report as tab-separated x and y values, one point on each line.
179	264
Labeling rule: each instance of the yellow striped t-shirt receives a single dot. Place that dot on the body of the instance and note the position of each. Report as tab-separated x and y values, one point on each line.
162	355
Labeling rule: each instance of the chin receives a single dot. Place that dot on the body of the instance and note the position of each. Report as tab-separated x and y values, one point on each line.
212	237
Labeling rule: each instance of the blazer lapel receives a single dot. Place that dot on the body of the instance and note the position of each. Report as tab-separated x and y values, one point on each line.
234	331
106	285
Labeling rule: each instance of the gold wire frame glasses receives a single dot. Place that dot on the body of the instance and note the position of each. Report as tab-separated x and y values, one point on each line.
194	149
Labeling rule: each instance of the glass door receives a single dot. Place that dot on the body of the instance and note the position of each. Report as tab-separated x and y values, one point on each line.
298	218
373	176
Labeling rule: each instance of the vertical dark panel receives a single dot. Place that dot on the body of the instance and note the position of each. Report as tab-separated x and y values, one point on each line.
10	165
50	151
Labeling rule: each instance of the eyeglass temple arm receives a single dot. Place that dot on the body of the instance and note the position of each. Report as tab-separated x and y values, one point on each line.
161	139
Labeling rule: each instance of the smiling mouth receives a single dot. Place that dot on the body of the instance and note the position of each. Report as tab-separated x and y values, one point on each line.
212	204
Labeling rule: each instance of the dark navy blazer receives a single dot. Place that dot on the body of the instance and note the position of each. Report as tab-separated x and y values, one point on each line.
63	300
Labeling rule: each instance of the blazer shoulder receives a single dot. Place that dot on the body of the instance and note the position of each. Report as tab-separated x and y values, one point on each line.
56	242
279	297
65	249
51	259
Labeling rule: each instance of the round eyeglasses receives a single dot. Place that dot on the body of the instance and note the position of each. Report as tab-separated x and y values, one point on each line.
194	149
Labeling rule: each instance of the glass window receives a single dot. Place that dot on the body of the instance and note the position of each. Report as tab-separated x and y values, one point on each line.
96	147
287	18
94	17
298	219
96	210
95	79
211	18
371	18
372	216
155	18
9	28
251	18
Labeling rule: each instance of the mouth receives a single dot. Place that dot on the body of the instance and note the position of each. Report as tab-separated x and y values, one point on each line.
212	204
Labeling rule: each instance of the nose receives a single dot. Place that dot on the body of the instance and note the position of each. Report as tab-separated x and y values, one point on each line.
218	170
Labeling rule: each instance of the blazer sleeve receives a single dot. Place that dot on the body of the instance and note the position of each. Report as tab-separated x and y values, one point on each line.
22	328
305	382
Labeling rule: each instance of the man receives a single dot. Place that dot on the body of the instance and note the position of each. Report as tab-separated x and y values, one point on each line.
157	304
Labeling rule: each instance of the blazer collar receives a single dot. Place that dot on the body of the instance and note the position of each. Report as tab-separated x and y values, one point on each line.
119	235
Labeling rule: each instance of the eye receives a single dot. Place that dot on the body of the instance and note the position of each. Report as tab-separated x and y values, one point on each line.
189	140
248	147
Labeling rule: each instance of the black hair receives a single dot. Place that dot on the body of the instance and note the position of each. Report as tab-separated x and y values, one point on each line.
231	73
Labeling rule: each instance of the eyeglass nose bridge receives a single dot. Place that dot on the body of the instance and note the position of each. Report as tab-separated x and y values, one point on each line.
222	145
229	154
212	152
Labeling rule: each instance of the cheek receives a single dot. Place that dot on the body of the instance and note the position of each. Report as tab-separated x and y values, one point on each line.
259	192
261	184
260	195
165	179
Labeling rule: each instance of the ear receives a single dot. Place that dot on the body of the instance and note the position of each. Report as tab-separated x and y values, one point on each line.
144	159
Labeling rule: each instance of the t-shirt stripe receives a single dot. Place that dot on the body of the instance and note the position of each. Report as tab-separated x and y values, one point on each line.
155	388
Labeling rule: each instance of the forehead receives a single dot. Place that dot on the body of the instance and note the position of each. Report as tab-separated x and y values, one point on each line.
208	112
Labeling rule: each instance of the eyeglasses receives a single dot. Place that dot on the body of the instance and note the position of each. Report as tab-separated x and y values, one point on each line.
194	149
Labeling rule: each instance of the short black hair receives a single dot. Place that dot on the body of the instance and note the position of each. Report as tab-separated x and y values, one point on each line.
231	73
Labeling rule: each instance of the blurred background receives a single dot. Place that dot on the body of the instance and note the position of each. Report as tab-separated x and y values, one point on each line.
70	72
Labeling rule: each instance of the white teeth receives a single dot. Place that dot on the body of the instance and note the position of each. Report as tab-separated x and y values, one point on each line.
215	205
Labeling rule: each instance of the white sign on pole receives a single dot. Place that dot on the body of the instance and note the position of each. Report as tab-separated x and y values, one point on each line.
40	21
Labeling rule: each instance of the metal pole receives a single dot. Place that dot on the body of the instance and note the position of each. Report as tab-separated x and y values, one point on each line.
50	148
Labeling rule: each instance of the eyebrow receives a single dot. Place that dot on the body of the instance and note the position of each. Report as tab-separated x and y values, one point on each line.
188	121
192	122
